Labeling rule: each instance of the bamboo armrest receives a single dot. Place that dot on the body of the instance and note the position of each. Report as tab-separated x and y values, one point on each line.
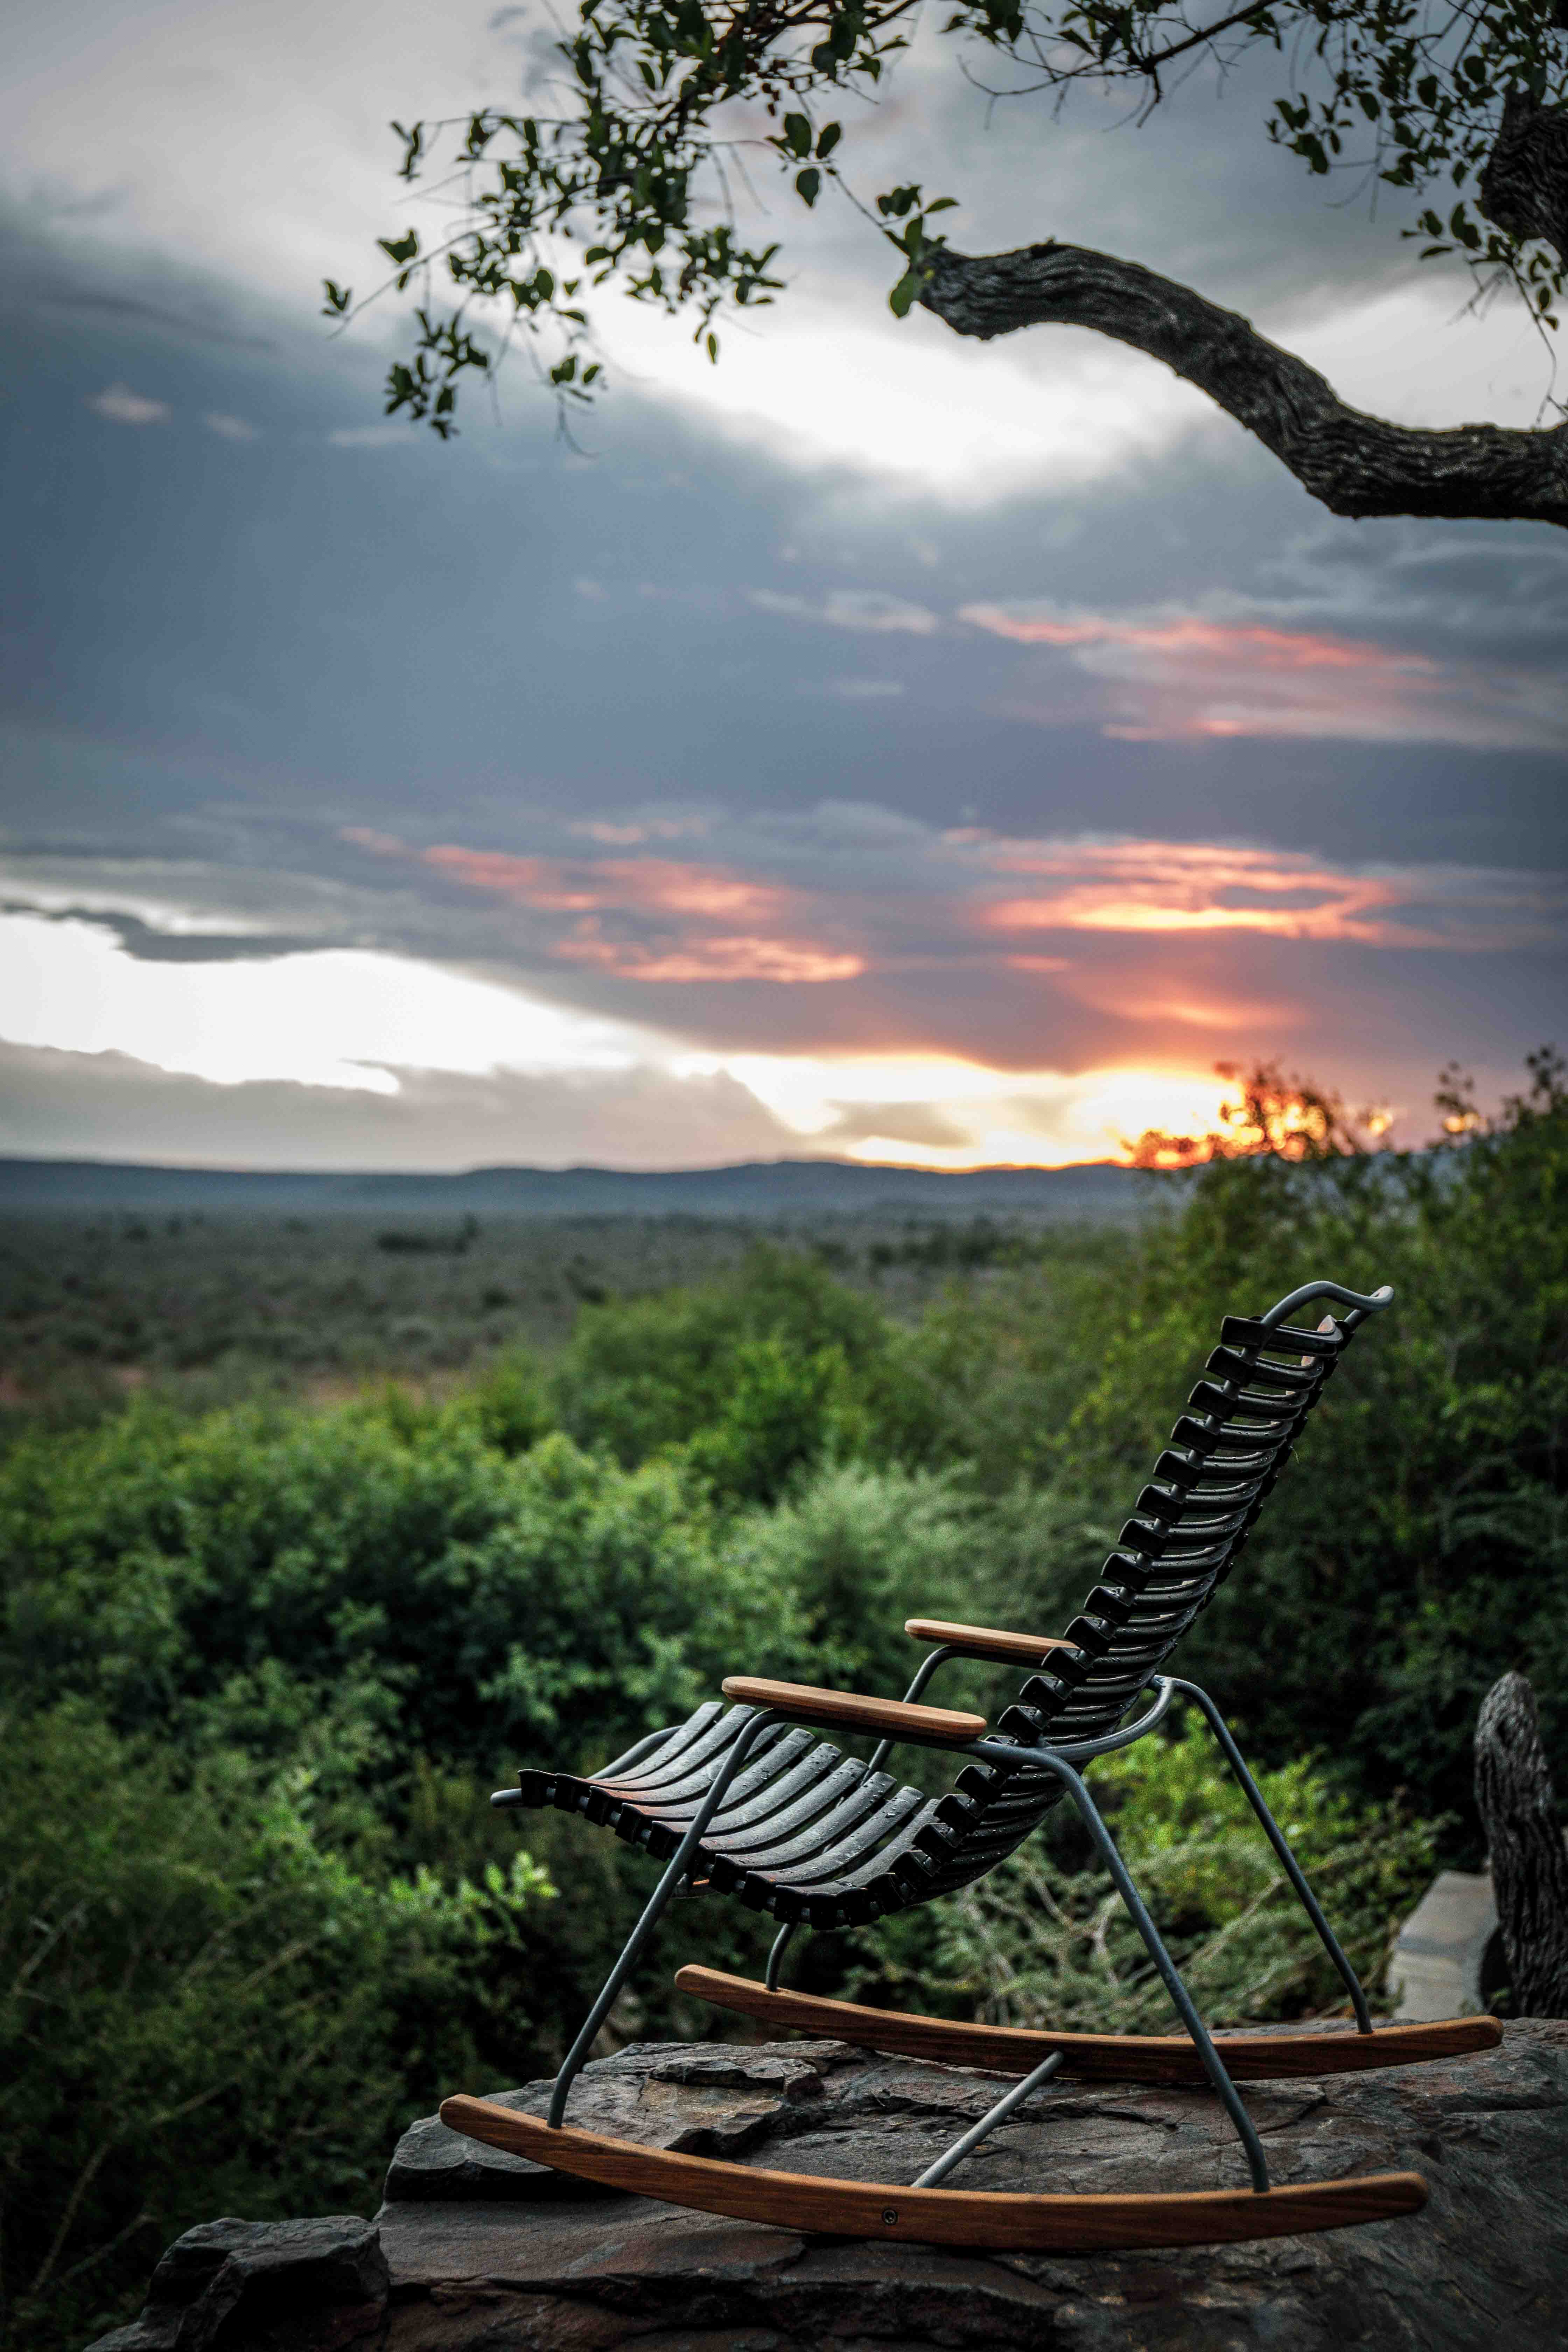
980	1642
893	1719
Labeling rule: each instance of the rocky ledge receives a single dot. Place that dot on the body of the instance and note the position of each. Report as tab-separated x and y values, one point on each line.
478	2251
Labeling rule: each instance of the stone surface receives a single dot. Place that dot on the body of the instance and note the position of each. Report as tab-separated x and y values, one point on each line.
1488	2260
484	2255
267	2286
706	2099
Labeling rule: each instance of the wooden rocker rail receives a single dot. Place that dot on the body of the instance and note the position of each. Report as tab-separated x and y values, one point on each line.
943	2217
1111	2057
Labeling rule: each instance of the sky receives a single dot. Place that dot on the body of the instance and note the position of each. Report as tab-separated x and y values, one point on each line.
877	745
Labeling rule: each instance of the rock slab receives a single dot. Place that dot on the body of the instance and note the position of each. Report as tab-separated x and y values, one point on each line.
486	2254
269	2287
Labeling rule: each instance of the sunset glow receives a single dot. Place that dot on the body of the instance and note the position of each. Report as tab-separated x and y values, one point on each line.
884	744
369	1023
666	922
1163	675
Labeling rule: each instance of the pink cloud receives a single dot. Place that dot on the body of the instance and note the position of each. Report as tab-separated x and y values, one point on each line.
611	896
1187	635
794	961
1164	887
964	899
635	885
1165	675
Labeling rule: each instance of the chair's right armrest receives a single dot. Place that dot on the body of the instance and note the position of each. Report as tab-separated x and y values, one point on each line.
983	1641
894	1719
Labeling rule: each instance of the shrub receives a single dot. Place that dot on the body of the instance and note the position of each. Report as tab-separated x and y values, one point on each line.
1045	1940
203	2010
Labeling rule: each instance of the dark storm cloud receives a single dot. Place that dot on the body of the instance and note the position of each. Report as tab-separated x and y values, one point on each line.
150	945
714	737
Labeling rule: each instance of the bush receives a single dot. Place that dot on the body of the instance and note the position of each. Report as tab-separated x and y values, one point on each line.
645	1373
1046	1941
550	1602
205	2011
262	1666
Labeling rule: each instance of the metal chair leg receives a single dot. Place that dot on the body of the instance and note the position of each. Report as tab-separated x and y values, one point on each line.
675	1871
781	1945
1169	1974
1277	1839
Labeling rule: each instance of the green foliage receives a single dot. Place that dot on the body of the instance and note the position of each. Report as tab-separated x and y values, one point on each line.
1044	1942
206	1309
261	1666
783	1412
630	176
203	2010
758	1373
1418	1546
857	1550
159	1568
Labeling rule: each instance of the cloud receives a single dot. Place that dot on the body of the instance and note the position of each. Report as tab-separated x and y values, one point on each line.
652	885
229	428
1169	674
938	1017
625	832
110	1106
336	1017
120	405
868	609
184	943
781	962
865	689
656	921
371	436
1141	887
914	1123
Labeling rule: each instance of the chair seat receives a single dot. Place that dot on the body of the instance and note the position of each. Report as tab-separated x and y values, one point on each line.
806	1832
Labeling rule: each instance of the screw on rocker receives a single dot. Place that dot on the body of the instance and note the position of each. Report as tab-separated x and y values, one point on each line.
746	1801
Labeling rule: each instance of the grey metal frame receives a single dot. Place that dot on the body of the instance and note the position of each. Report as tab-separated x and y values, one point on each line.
1061	1762
1007	1756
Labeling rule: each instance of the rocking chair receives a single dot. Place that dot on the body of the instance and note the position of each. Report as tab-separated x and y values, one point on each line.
744	1802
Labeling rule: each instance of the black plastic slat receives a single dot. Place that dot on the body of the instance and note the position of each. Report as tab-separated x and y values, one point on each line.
671	1761
850	1799
1285	1339
1255	1372
755	1779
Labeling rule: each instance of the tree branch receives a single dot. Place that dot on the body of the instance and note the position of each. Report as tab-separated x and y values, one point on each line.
1524	185
1355	464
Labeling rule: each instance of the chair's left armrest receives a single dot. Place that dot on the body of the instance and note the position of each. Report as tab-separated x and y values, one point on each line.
891	1719
986	1642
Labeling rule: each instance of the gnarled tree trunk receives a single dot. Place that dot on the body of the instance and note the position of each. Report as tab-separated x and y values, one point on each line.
1529	1866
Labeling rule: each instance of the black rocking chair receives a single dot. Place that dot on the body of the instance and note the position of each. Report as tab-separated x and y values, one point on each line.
743	1802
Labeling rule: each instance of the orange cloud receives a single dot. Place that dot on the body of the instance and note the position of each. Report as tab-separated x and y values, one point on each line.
638	885
1167	674
633	888
792	961
1187	887
1275	649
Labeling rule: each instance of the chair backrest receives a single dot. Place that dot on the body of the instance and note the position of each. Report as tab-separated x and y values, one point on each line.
1188	1527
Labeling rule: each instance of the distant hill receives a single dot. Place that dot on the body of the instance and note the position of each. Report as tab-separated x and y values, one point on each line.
770	1191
